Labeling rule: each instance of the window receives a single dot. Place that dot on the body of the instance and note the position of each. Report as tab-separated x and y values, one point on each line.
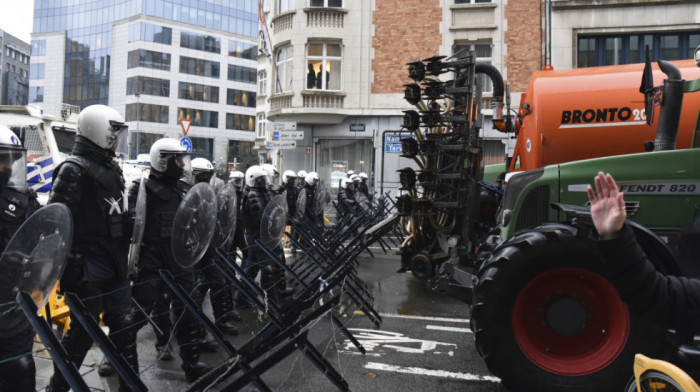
36	94
261	127
240	122
471	1
243	153
240	98
148	59
36	70
151	33
200	118
262	83
484	53
203	147
626	49
198	92
242	50
324	65
285	5
202	42
326	3
147	112
199	67
148	86
238	73
284	57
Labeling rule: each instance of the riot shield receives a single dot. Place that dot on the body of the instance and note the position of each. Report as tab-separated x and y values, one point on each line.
139	225
362	201
273	222
193	227
320	201
301	202
33	260
227	208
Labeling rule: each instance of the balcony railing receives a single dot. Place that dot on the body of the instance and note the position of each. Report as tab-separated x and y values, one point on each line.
283	22
281	101
323	99
325	17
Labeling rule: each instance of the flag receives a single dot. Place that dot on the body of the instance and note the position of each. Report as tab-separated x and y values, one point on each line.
265	44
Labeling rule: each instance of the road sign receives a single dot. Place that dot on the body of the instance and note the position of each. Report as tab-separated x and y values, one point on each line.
281	126
187	143
287	135
185	125
282	144
392	148
358	127
395	139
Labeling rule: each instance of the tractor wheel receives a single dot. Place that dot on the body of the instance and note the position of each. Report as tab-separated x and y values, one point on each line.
545	318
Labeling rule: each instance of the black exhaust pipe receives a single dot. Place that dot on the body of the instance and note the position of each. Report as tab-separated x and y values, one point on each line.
497	80
671	104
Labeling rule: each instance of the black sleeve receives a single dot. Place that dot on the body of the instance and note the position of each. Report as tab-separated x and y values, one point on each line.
67	186
672	300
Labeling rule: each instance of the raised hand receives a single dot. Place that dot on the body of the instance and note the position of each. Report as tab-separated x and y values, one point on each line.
608	208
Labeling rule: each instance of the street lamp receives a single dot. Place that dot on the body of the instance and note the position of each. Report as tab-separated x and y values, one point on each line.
138	119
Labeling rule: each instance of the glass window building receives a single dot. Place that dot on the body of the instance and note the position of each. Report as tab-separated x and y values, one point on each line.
129	54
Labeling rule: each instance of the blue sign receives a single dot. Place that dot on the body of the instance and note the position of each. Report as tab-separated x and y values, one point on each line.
357	127
392	148
395	139
187	143
276	135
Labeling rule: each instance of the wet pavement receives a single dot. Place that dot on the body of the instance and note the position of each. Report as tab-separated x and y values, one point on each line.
424	343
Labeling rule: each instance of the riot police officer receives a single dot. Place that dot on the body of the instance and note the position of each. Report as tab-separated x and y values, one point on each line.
253	206
90	183
311	186
301	176
211	279
17	203
289	179
363	188
274	175
346	201
165	189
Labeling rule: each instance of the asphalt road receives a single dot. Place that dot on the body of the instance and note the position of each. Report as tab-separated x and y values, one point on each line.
424	343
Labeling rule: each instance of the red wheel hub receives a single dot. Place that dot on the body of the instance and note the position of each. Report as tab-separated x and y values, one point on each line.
570	321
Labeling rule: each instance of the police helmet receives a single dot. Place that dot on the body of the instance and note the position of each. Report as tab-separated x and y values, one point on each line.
289	175
170	157
256	177
103	126
363	176
202	169
311	178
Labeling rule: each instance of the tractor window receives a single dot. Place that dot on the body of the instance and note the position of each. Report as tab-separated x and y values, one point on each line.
64	139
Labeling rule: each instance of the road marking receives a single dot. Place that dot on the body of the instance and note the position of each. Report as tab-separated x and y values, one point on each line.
442	319
449	329
372	339
429	372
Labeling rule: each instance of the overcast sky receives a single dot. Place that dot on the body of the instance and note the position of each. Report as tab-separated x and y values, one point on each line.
16	18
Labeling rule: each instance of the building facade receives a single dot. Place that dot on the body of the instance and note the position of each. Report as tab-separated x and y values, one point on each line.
157	62
15	70
361	48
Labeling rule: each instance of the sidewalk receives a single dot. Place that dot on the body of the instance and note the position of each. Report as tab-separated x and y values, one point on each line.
44	369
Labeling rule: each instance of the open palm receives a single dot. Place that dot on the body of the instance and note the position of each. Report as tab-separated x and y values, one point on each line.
608	208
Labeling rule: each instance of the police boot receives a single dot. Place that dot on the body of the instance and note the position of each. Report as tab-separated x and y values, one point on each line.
222	306
18	375
105	369
188	338
268	282
125	341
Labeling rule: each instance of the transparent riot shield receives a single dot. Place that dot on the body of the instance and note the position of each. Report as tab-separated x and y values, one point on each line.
362	201
273	222
139	225
301	202
321	200
193	227
33	260
227	207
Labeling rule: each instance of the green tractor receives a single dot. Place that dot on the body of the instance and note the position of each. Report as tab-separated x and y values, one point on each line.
544	315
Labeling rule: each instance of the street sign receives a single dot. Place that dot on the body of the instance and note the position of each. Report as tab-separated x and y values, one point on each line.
185	125
395	139
282	144
359	127
392	148
287	135
281	126
187	143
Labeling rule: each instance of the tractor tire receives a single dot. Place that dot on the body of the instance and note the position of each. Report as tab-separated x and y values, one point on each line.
545	318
